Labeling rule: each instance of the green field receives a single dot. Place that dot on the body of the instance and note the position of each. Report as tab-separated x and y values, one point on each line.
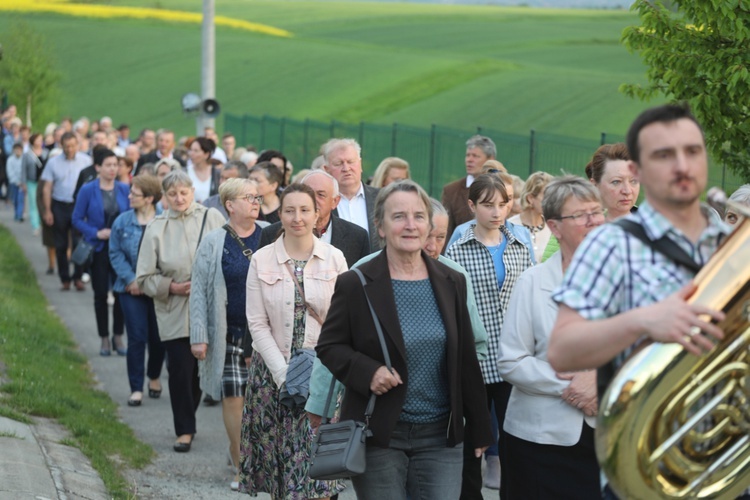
506	69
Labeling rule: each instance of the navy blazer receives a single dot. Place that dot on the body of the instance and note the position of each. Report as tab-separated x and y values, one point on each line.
88	214
349	347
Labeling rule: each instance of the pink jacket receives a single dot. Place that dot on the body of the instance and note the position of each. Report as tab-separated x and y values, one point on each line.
270	300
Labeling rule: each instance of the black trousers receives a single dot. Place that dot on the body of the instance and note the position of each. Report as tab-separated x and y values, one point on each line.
102	277
542	471
471	485
63	231
184	387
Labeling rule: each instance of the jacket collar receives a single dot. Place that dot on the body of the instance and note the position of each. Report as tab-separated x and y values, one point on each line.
173	214
319	250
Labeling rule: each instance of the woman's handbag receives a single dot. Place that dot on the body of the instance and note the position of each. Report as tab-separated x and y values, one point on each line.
339	449
83	253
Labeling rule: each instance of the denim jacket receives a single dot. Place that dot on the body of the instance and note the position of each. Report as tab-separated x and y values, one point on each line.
123	248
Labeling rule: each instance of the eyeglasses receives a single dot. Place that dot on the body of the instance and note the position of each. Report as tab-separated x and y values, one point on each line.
136	195
251	198
581	219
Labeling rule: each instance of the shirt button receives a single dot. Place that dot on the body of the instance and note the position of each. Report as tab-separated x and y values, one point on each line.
287	324
288	303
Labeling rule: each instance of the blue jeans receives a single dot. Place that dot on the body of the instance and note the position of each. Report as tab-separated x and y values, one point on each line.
17	195
418	465
140	322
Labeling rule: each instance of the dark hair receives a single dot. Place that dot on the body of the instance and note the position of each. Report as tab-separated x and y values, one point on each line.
484	188
101	153
33	137
664	114
296	187
207	145
268	155
18	145
149	186
271	171
606	152
67	136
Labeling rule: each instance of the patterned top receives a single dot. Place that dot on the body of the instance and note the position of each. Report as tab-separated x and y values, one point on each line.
298	333
427	395
234	265
613	271
492	300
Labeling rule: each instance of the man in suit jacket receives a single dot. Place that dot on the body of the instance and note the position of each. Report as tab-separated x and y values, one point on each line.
351	239
455	198
164	149
343	161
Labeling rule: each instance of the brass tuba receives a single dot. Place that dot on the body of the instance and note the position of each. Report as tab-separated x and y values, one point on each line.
673	425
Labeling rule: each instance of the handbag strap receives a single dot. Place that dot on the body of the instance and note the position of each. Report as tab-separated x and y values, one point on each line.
302	294
203	226
663	245
247	252
371	403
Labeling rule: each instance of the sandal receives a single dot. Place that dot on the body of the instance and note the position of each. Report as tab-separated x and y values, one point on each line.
135	401
154	393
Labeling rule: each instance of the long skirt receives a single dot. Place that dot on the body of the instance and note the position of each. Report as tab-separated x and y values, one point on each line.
276	443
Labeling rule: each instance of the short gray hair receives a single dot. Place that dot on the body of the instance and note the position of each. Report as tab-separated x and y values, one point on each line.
560	189
742	195
325	174
484	143
176	178
404	186
438	208
334	145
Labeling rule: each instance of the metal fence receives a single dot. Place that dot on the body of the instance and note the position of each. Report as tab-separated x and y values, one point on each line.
435	154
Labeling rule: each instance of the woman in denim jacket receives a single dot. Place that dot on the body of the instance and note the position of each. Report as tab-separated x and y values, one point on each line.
140	318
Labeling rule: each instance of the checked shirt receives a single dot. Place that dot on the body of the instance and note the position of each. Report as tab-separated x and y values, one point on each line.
613	271
491	300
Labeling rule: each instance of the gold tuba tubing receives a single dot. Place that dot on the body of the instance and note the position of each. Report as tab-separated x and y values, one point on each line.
673	425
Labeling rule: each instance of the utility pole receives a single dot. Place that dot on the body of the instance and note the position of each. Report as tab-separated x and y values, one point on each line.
208	64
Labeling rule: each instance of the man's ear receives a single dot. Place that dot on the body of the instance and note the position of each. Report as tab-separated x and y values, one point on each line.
336	200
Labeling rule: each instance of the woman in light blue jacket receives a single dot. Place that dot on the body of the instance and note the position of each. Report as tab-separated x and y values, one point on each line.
140	318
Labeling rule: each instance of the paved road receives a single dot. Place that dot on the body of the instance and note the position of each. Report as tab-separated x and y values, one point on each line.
202	473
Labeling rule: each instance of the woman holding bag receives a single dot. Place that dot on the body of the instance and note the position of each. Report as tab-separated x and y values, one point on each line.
435	384
289	288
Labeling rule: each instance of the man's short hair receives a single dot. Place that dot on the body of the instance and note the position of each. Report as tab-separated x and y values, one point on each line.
662	114
68	136
325	174
334	145
484	143
241	168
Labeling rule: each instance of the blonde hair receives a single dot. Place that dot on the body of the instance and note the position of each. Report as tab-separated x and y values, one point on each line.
232	188
493	164
385	167
535	184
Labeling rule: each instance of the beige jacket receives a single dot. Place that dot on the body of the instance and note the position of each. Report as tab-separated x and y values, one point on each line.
166	255
270	300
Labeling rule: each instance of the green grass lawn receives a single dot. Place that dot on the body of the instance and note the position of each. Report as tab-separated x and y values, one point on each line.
507	69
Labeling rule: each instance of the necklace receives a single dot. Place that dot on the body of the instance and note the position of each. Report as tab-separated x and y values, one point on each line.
496	247
533	230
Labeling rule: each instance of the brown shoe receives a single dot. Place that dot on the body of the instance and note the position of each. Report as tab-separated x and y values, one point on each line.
80	286
65	286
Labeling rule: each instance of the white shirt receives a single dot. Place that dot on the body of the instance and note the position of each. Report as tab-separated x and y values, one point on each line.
220	155
469	180
326	237
355	210
202	188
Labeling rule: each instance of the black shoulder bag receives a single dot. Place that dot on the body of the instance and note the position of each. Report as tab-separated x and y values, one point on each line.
247	252
339	449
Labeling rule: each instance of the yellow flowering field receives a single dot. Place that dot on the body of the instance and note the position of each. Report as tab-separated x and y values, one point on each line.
110	12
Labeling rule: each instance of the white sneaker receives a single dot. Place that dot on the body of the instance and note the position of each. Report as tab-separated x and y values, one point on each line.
110	299
492	472
85	277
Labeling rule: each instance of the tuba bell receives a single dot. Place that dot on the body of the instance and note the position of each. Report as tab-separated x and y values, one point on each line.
673	425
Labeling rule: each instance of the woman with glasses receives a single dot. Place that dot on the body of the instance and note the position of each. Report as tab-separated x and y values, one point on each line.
164	272
494	258
549	424
138	309
217	305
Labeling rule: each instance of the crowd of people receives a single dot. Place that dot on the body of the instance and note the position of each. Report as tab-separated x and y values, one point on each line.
498	303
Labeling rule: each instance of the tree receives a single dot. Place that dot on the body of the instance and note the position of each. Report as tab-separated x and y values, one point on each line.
700	54
28	74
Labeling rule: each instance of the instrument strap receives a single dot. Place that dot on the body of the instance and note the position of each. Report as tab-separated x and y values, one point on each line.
663	245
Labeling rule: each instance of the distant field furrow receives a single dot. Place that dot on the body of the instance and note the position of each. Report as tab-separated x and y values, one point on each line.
504	69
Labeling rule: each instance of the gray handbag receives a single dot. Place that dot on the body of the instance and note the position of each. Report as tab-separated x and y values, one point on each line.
339	449
83	253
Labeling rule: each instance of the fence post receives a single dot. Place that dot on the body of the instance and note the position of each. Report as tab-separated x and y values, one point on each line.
244	130
333	129
361	133
431	162
604	139
393	139
532	151
283	132
479	130
305	139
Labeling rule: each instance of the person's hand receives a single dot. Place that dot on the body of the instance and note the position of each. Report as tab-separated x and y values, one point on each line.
179	288
49	219
674	320
103	234
133	289
247	362
478	452
581	393
314	420
22	187
383	381
199	350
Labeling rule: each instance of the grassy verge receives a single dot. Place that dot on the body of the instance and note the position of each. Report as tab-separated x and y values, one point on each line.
47	376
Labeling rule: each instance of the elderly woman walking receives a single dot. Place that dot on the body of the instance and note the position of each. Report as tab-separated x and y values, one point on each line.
435	385
217	305
164	272
549	424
